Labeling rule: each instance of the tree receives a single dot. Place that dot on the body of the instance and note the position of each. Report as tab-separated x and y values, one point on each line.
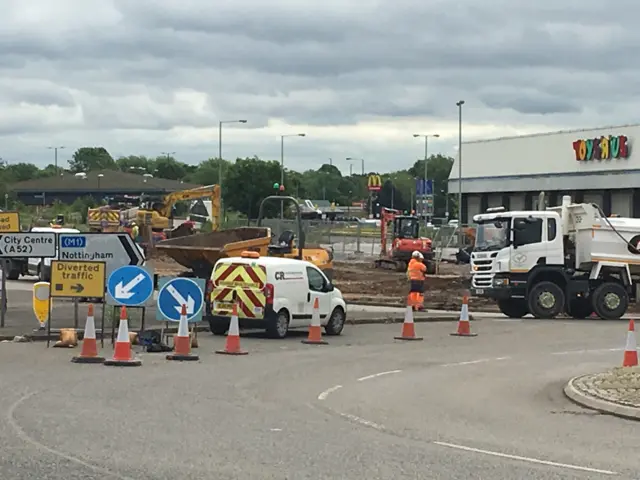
135	164
252	180
207	172
169	168
87	159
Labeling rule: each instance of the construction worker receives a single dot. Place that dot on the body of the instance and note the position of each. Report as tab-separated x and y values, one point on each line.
135	231
416	274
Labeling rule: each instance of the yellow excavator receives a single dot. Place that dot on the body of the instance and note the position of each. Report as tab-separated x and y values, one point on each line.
158	214
200	252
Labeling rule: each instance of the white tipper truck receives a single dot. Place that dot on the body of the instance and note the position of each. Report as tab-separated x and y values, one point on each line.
569	259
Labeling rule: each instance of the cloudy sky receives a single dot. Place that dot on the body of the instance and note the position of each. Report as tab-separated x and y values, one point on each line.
358	77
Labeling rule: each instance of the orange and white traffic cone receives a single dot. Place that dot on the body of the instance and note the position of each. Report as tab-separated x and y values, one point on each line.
182	341
315	328
232	346
408	326
464	327
630	358
122	356
89	353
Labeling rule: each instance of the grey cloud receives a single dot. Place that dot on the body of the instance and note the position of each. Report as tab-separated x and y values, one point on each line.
335	62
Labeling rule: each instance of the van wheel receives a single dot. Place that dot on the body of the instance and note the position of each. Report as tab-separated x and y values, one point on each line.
546	300
279	326
218	328
610	301
335	325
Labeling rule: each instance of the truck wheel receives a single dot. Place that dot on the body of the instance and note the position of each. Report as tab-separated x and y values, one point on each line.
546	300
279	326
580	308
610	301
513	307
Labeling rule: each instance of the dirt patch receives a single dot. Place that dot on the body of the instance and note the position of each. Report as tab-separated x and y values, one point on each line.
361	280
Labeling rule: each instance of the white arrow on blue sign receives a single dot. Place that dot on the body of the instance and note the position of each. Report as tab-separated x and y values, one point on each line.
130	286
175	292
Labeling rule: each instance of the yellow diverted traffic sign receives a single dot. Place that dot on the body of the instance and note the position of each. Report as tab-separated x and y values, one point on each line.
9	222
78	279
41	293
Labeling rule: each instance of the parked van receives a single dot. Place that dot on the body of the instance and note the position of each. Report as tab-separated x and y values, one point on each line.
36	266
273	293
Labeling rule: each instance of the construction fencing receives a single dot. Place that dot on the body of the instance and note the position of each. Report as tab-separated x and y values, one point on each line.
354	239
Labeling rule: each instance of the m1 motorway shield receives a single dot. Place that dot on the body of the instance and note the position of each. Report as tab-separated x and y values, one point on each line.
131	286
114	249
28	244
174	292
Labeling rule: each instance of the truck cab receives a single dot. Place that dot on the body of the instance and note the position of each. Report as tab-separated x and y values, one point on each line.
568	259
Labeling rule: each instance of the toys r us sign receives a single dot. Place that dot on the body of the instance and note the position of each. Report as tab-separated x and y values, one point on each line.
603	148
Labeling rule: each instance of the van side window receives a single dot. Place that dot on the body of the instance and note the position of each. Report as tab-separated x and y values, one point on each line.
316	280
552	229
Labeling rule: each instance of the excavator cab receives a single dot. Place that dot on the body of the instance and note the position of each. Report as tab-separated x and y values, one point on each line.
406	226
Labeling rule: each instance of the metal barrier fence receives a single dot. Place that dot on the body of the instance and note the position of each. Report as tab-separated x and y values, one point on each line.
351	239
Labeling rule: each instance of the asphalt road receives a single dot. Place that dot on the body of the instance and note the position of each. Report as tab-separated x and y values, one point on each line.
365	406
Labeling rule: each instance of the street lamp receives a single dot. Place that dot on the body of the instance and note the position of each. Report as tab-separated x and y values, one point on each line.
220	153
460	104
282	137
55	157
351	159
426	172
168	154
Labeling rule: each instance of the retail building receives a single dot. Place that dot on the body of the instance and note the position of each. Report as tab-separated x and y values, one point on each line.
597	166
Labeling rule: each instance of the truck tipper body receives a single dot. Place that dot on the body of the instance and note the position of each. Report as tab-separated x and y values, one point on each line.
567	259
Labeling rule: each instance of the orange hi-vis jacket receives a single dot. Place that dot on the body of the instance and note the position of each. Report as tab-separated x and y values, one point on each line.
416	270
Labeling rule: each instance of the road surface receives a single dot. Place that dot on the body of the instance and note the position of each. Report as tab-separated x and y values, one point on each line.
365	406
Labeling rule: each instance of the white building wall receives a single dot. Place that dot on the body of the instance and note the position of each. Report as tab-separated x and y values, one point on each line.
593	197
621	203
498	165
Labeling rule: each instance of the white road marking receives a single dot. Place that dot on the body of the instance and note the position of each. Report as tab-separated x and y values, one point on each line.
276	429
361	421
526	459
329	391
473	362
375	375
599	350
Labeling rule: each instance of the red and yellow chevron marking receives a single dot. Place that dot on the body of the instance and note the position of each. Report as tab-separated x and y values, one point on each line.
251	301
241	275
111	216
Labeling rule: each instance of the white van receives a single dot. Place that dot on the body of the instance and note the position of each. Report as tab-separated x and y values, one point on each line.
276	294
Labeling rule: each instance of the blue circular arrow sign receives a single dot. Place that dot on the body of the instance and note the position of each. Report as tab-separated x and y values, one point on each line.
177	292
130	286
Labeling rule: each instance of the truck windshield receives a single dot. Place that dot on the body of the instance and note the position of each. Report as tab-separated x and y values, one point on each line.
492	235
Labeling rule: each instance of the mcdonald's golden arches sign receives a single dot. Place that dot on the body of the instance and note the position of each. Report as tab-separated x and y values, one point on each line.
374	184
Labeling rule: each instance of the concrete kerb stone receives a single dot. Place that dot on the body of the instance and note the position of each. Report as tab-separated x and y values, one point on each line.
598	404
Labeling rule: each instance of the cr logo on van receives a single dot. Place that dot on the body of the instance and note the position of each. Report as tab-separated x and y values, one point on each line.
603	148
289	276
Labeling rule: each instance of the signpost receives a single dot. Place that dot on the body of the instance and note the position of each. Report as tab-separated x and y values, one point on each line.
131	286
76	280
175	292
29	244
115	250
9	222
41	299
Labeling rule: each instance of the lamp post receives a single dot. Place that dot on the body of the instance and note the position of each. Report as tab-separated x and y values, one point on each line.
168	154
55	155
460	236
282	137
351	159
222	122
426	170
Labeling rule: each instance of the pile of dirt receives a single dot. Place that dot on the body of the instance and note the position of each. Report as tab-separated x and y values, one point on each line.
362	281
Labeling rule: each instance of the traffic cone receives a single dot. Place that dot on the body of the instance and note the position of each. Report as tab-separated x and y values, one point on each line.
122	354
182	341
630	358
408	326
232	346
89	353
464	327
315	328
